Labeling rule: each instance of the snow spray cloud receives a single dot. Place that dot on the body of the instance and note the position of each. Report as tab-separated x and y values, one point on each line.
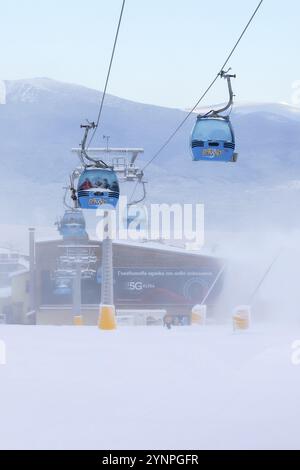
274	295
2	92
295	356
296	93
159	222
2	353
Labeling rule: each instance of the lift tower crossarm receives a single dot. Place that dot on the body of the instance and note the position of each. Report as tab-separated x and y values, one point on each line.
119	151
121	159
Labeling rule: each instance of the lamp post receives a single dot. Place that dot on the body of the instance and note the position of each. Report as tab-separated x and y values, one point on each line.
32	278
107	138
77	317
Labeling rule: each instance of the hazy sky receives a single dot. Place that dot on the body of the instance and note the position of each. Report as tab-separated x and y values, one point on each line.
169	50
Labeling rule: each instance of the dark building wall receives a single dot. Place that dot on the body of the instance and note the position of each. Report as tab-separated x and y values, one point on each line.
144	277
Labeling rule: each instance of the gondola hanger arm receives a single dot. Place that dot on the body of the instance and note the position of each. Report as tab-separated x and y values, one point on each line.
224	74
142	199
83	154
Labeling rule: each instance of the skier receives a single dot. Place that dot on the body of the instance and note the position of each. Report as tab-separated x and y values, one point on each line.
168	321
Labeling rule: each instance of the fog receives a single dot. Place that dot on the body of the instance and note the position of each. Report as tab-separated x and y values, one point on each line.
262	271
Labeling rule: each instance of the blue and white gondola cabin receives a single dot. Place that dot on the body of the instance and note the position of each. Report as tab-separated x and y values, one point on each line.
98	187
213	139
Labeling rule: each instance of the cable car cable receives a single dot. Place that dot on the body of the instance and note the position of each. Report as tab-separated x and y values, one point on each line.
207	90
108	74
97	183
161	149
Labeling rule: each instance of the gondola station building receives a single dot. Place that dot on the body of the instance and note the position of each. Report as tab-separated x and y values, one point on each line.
150	280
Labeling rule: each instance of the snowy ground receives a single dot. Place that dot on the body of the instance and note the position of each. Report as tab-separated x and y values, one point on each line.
70	388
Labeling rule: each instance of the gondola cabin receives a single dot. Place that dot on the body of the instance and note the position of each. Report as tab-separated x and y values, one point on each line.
72	225
213	140
98	187
63	286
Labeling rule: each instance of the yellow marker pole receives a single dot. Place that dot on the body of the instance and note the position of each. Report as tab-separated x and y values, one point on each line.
242	318
199	314
78	320
107	318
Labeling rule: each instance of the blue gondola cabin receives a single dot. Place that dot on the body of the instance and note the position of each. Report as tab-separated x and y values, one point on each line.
213	140
98	188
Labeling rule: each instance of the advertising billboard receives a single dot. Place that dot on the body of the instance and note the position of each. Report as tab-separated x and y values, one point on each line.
162	286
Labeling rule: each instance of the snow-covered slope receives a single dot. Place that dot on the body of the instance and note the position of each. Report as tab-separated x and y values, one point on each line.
137	388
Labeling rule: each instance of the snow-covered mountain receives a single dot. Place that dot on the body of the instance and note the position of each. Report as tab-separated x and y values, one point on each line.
40	124
283	109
